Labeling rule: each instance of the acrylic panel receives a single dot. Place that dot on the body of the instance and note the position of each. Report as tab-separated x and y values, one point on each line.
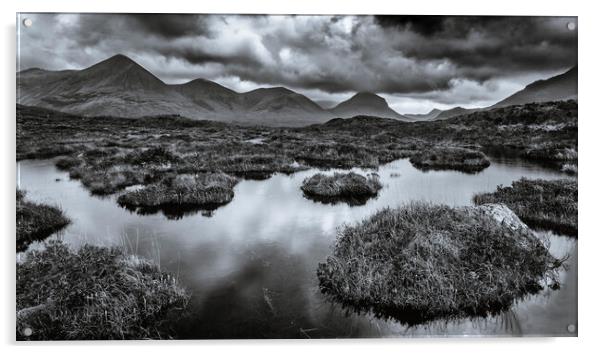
207	176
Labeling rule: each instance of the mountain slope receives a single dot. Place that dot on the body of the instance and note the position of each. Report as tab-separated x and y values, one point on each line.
427	116
558	88
368	104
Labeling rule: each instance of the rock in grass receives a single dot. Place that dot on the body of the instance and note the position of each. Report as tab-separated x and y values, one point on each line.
36	221
550	205
349	187
450	158
183	193
93	293
424	262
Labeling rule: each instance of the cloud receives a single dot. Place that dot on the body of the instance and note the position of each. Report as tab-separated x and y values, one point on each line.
444	60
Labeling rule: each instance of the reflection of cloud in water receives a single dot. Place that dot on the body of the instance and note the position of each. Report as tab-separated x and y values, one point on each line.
269	236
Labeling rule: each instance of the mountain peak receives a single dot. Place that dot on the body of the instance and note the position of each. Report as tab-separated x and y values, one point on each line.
119	73
365	103
367	96
119	59
365	99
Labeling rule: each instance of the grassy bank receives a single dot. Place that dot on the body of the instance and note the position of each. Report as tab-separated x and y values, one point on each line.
93	293
424	262
550	205
450	158
176	195
349	187
36	221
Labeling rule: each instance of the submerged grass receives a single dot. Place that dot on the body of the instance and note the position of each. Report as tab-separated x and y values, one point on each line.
174	195
93	293
349	187
423	262
550	205
450	158
36	221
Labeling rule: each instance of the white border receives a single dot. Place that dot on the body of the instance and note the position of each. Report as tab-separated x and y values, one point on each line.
590	97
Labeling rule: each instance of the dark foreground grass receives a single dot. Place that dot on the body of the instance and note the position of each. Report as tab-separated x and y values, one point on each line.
450	158
36	221
178	195
550	205
93	293
424	262
351	188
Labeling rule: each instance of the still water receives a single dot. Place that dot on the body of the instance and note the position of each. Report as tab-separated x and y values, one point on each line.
251	264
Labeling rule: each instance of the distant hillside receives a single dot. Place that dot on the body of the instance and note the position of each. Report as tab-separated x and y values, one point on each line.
427	116
120	87
367	104
558	88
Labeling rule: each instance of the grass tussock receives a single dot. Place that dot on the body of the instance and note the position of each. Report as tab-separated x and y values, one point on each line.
176	195
550	205
450	158
67	162
93	293
424	262
349	187
36	221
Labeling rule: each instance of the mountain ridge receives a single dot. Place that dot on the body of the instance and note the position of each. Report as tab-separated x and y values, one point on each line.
560	87
119	86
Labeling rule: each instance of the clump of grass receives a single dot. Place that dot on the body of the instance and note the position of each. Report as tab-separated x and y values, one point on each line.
153	155
450	158
349	187
110	180
68	162
550	205
338	155
93	293
179	194
424	262
569	168
36	221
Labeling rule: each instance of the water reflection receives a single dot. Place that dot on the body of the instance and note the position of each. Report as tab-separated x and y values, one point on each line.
251	267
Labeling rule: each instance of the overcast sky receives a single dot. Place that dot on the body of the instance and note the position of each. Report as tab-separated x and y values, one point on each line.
416	62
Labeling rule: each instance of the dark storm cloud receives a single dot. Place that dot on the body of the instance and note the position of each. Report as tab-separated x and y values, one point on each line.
489	46
415	56
172	25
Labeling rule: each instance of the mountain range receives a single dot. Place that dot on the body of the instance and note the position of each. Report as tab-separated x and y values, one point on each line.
119	86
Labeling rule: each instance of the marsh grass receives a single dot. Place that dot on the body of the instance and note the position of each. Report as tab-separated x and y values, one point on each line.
35	221
178	195
116	153
351	188
424	262
67	163
549	205
93	293
450	158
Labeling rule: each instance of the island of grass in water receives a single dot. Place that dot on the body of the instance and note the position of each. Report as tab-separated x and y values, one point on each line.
425	262
351	188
